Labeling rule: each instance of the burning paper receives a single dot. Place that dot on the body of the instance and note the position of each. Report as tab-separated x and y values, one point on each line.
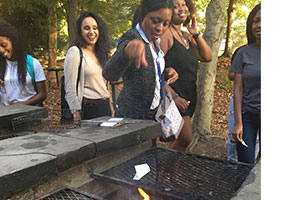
141	170
143	194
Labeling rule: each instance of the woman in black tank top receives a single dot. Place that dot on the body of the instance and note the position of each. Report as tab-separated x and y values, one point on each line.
183	50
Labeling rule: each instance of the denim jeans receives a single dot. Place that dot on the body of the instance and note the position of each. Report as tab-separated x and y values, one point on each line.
251	127
230	143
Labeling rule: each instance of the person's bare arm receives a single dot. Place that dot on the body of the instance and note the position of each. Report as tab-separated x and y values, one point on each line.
237	131
39	97
198	42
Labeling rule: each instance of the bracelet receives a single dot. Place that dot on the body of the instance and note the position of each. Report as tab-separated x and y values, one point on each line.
195	36
175	95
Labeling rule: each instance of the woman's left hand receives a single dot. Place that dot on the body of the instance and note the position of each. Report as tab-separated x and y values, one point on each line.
172	75
181	103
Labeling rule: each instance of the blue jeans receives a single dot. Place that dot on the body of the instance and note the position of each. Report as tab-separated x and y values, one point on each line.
251	126
230	143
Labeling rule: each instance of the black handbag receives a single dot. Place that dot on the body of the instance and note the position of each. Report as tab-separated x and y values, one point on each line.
66	115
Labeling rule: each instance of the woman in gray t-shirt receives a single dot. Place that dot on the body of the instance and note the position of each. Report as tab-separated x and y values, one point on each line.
247	89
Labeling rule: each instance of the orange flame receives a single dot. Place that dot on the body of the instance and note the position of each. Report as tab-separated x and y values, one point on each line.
143	194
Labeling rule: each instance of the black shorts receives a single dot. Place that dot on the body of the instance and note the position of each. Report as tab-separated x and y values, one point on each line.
188	91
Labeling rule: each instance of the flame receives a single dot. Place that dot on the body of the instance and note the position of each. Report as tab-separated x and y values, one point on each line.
143	194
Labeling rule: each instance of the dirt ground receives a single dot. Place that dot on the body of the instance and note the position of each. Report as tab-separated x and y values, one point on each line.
213	145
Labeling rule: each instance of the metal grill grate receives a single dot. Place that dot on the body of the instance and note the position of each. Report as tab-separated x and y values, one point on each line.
179	175
34	122
3	137
70	194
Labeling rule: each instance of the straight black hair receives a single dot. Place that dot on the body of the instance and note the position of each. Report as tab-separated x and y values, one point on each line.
151	6
250	37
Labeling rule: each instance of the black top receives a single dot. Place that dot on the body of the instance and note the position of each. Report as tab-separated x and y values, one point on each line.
183	60
248	63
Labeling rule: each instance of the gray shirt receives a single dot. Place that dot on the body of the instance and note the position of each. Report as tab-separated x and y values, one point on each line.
247	62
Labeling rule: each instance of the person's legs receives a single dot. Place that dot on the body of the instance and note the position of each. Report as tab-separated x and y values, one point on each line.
185	136
250	127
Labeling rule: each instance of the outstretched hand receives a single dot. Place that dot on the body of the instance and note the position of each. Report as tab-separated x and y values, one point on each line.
1	82
135	51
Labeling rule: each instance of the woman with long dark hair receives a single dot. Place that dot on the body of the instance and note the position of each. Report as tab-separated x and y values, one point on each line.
22	78
247	90
183	50
91	99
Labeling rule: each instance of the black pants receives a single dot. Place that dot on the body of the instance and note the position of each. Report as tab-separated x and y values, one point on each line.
90	111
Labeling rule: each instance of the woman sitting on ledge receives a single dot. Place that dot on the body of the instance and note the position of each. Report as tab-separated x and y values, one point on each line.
22	78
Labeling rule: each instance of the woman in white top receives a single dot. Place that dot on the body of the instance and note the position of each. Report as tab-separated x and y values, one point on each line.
91	99
22	78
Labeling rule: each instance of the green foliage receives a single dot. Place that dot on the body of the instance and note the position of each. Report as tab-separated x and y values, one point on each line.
117	14
31	19
200	6
242	9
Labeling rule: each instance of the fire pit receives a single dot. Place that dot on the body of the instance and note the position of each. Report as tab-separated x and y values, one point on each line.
178	175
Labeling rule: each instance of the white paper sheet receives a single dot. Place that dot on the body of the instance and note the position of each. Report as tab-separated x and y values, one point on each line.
115	119
244	143
141	170
111	122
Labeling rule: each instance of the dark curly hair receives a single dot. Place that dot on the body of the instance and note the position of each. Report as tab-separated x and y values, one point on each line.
250	37
103	43
192	11
19	51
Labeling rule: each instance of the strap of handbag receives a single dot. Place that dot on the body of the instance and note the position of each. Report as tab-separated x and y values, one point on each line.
79	70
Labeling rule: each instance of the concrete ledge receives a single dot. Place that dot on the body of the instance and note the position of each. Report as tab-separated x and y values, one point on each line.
110	139
31	169
32	159
7	113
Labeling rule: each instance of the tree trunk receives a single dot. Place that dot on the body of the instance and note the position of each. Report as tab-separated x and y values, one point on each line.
52	38
228	44
213	35
71	18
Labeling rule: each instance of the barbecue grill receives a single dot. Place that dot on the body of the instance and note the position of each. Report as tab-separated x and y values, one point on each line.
179	175
71	194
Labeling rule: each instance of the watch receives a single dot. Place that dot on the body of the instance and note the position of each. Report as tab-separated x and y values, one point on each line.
175	95
195	36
